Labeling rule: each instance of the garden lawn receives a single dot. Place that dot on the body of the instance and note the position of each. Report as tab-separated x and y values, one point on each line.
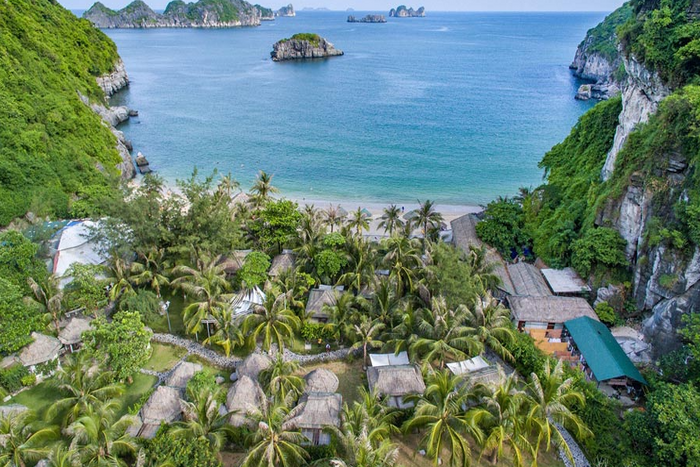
164	357
177	307
38	398
142	384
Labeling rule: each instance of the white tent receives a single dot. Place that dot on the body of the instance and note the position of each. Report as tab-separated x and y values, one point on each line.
468	366
245	303
76	246
389	359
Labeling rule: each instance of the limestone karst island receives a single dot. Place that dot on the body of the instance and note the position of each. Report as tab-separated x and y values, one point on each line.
394	259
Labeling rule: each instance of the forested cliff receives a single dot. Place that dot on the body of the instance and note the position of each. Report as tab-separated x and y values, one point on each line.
54	150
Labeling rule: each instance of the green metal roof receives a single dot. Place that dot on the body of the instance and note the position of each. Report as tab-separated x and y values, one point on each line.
603	354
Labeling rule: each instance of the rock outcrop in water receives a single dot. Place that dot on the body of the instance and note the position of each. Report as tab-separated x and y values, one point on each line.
286	11
367	19
403	12
114	81
303	46
178	14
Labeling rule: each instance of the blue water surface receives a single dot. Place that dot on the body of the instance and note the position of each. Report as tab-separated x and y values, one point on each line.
455	107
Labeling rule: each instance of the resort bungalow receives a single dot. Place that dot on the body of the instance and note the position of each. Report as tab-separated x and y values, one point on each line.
71	335
527	280
315	414
393	376
283	262
599	355
476	370
164	406
232	263
252	366
43	349
182	374
244	398
321	380
565	282
318	298
547	312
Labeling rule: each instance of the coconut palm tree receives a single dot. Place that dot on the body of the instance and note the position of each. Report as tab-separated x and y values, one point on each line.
442	336
227	185
502	421
272	444
359	221
207	285
366	333
385	303
60	456
150	270
361	271
120	279
83	386
490	322
202	419
427	217
371	413
49	296
478	259
441	410
358	450
273	320
228	334
402	260
391	219
342	313
23	442
334	216
262	188
100	438
551	398
281	379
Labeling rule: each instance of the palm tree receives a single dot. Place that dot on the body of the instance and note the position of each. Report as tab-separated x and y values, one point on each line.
366	333
151	270
478	259
84	385
228	334
441	410
60	456
342	312
385	303
427	217
207	284
442	336
22	443
359	221
402	260
359	451
361	271
391	219
99	438
281	379
491	325
262	188
273	320
49	296
272	444
370	413
202	419
227	184
334	216
550	399
501	419
120	279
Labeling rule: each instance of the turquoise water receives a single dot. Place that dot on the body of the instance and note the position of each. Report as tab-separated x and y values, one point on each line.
455	107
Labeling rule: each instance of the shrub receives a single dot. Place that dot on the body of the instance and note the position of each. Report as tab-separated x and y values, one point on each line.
11	378
144	302
47	368
29	380
606	313
599	247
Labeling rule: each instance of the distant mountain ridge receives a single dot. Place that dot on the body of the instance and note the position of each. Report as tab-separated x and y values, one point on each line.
178	14
403	12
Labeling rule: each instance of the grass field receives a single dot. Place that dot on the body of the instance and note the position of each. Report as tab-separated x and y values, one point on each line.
164	357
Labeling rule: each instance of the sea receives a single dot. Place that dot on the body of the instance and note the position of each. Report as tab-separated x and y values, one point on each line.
458	108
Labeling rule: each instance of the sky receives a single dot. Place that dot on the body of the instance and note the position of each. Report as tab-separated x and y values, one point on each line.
373	5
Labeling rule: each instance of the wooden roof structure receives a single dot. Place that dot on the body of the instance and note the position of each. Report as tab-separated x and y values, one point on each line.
396	380
527	280
323	295
72	333
43	349
282	262
319	410
549	309
565	281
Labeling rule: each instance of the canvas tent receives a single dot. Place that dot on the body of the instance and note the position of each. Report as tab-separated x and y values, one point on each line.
386	359
76	246
246	302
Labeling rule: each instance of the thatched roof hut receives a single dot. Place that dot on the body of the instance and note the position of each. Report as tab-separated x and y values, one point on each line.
72	333
318	411
321	380
253	365
182	374
552	309
233	262
43	349
396	382
164	405
245	397
283	262
318	298
528	280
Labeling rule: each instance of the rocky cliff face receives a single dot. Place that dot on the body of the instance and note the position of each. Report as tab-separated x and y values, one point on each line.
303	46
114	81
403	12
286	11
367	19
178	14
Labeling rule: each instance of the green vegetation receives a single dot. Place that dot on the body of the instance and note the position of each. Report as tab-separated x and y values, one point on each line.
163	357
314	39
603	38
50	142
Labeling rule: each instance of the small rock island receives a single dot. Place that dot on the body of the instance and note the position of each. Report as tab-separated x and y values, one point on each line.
286	11
403	12
367	19
303	46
